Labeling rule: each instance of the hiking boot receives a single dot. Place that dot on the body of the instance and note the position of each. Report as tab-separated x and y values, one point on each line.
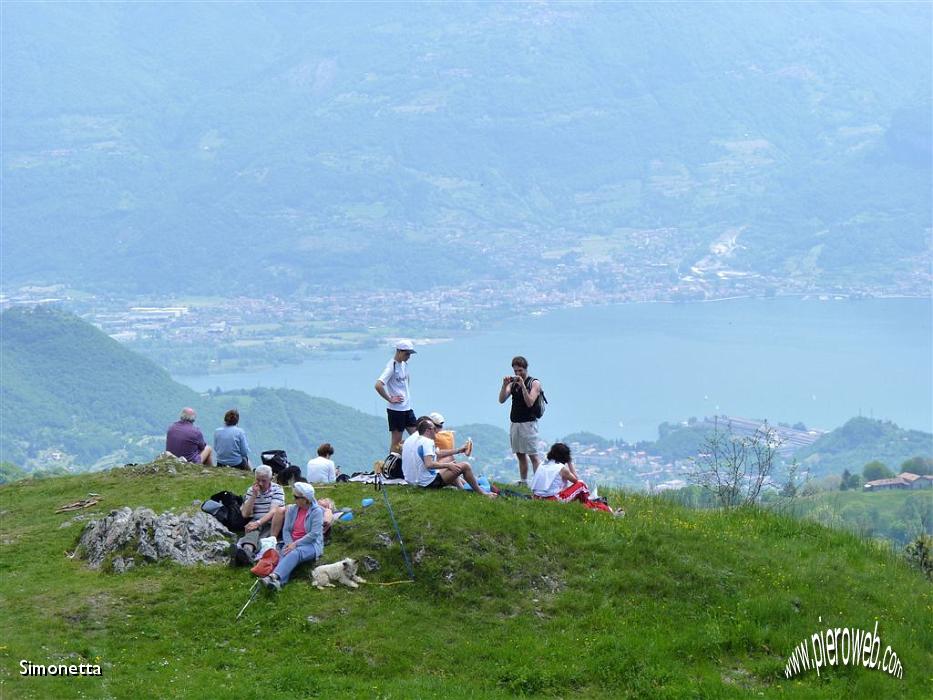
272	582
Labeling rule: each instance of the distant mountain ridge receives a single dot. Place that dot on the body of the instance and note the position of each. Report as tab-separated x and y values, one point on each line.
69	389
668	140
862	440
850	446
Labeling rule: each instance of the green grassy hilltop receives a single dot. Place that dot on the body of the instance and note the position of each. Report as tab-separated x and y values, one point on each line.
511	597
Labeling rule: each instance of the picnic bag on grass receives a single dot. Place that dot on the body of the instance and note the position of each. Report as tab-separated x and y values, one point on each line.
283	470
267	563
229	513
392	467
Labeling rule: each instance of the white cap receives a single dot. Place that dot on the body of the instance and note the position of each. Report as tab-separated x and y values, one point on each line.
305	490
436	418
405	344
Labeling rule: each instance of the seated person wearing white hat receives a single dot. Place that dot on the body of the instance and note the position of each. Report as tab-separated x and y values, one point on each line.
303	532
419	462
444	441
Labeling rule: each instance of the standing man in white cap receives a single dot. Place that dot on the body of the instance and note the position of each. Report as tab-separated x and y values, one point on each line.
392	385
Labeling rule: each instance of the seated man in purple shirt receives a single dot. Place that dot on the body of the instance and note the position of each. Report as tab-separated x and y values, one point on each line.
184	440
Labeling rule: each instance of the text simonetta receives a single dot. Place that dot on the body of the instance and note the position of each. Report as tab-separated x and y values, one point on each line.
843	646
28	668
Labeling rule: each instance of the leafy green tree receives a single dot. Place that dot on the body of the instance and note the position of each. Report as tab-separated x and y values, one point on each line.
850	481
846	475
875	470
918	465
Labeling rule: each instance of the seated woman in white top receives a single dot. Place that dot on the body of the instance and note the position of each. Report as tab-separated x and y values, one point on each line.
557	480
556	474
321	469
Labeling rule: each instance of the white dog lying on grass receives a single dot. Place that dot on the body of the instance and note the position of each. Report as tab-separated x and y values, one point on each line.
343	571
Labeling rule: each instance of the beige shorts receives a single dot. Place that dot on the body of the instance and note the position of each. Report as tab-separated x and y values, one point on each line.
524	437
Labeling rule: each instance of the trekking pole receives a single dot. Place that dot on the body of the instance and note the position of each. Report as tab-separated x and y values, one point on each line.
253	592
378	484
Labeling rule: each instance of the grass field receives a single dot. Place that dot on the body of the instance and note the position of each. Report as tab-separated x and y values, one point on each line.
900	516
511	598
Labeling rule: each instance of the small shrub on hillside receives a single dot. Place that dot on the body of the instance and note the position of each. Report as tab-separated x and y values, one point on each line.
919	553
733	467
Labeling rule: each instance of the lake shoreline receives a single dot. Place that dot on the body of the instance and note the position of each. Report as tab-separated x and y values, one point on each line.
784	359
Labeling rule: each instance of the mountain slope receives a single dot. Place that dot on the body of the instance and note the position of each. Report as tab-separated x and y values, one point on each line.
511	598
792	141
860	441
67	387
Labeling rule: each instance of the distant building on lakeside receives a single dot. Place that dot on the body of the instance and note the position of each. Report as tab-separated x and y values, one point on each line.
905	480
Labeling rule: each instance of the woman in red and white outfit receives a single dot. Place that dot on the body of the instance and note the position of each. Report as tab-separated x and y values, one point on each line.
557	480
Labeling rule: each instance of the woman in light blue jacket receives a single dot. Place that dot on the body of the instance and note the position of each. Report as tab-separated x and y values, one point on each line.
303	532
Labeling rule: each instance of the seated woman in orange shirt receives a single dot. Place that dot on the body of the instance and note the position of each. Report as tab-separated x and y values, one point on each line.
444	441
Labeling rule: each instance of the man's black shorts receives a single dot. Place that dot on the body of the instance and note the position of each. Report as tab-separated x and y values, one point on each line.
438	483
399	420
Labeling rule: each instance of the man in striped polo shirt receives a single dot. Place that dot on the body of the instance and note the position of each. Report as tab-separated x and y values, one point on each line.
259	505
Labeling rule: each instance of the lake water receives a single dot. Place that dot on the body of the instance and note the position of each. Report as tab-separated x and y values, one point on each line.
621	370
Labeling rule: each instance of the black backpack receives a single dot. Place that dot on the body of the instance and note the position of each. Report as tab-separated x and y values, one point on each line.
276	459
392	467
541	402
229	513
283	470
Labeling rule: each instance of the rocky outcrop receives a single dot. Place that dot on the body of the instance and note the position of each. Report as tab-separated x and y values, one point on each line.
129	537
